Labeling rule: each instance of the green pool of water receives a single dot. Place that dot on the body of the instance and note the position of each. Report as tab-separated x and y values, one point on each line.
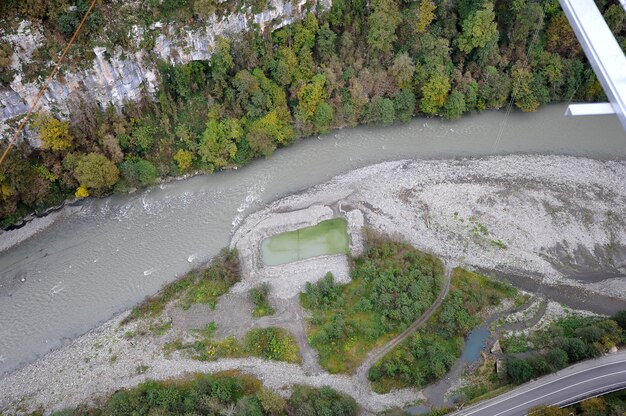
326	238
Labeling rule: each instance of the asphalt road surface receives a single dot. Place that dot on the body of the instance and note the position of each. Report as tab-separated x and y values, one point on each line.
580	381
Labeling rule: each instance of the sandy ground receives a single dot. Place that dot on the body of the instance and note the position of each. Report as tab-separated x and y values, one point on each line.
553	218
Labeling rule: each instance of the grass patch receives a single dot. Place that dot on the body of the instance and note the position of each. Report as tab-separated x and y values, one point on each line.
267	343
430	352
198	286
392	285
514	344
259	297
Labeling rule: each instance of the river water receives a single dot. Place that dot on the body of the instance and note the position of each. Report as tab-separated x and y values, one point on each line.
89	265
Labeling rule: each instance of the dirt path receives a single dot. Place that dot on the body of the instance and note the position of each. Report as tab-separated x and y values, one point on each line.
291	318
360	378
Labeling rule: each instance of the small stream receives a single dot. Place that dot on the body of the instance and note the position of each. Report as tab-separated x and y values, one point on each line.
474	343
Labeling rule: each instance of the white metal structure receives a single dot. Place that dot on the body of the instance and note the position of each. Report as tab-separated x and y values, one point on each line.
605	55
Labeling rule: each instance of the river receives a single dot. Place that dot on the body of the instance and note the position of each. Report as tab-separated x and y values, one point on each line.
91	264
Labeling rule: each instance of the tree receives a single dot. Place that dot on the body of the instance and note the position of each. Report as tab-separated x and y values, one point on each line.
383	22
402	70
560	37
557	359
139	172
620	318
81	192
575	348
5	188
454	106
271	402
69	20
306	30
323	117
495	89
595	406
382	110
204	8
479	28
326	42
184	159
310	96
221	64
519	371
6	59
284	66
268	131
425	15
54	134
404	104
543	410
434	94
96	173
525	98
218	144
249	406
143	138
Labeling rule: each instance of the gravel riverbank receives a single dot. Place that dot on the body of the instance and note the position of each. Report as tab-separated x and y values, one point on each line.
552	218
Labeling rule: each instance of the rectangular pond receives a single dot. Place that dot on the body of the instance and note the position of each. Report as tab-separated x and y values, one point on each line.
326	238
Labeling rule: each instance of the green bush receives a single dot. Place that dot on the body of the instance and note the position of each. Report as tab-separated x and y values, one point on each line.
519	371
139	172
306	401
272	344
259	297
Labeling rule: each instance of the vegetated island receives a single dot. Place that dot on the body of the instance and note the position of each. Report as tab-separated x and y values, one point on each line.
244	95
285	324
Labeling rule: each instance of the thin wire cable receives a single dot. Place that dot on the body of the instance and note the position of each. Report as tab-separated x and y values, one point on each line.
519	78
45	85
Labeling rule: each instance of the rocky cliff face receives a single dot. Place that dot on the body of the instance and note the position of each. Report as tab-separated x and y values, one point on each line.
120	76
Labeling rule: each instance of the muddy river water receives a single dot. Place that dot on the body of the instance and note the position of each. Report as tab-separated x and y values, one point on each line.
91	264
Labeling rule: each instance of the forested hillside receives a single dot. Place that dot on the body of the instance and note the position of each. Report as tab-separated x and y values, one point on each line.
357	62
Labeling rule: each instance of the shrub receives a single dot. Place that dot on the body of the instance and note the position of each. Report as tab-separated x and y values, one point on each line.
557	359
271	402
259	297
324	294
306	401
518	370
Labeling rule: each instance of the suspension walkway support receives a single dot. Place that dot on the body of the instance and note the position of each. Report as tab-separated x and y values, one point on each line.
605	55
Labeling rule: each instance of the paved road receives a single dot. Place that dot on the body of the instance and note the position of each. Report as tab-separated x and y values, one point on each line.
570	385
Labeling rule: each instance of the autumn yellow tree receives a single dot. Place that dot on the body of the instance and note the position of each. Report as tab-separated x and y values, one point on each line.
54	133
184	159
425	15
525	98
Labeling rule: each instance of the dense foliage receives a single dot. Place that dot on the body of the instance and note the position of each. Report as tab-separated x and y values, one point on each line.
392	285
359	62
566	341
430	352
203	285
220	394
